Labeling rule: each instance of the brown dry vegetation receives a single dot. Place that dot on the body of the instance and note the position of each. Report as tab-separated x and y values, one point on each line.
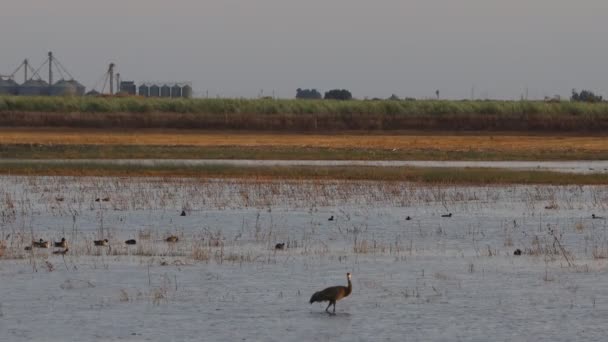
409	140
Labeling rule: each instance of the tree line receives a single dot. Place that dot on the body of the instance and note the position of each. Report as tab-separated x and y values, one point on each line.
314	94
343	94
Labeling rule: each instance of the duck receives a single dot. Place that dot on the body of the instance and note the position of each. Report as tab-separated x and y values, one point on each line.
41	244
596	217
408	218
61	244
447	215
183	213
331	218
280	246
103	242
131	242
517	252
172	238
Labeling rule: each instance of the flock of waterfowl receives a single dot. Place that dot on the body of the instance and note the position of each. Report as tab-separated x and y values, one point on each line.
330	294
63	244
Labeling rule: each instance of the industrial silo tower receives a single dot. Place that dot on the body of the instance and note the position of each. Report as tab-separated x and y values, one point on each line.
144	90
154	91
165	91
187	91
8	87
176	91
66	85
34	87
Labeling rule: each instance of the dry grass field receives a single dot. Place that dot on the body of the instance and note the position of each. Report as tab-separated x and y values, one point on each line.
507	143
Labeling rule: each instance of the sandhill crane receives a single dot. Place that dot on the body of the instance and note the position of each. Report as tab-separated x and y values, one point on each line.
172	238
333	294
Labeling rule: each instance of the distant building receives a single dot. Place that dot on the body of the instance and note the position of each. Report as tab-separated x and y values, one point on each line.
166	89
128	87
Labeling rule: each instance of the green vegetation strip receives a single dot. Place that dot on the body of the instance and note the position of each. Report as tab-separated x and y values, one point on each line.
37	151
423	175
269	106
302	115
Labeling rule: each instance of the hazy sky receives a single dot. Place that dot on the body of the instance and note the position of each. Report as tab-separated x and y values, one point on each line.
373	48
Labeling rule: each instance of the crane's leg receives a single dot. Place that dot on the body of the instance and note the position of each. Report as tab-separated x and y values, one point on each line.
334	307
327	308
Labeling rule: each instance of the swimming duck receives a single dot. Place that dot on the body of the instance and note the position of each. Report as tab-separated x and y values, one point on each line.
61	244
103	242
41	244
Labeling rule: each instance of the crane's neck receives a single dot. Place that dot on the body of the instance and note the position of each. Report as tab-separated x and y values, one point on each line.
349	289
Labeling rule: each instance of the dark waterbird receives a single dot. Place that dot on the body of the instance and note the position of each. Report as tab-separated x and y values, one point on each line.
61	244
517	252
172	238
280	246
333	294
41	244
103	242
596	217
131	242
183	213
408	218
447	215
331	218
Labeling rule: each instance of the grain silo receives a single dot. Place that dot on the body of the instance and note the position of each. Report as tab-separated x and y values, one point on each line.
67	88
154	91
34	88
80	89
144	90
128	87
176	91
187	91
62	88
8	87
165	91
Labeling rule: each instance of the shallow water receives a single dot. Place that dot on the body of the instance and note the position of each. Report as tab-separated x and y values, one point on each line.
580	166
427	279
